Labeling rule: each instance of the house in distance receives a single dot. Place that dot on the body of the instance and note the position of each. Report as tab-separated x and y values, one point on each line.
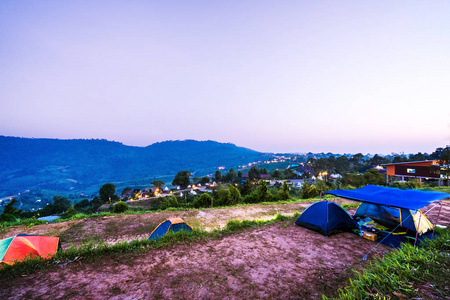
420	170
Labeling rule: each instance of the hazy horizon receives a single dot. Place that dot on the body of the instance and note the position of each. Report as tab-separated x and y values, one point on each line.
297	76
243	146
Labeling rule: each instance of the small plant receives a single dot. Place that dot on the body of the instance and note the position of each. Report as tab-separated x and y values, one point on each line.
401	273
120	207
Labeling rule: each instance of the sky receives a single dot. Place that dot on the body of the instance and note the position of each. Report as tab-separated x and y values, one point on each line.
273	76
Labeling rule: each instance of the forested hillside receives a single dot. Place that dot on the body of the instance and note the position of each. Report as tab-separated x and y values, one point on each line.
74	165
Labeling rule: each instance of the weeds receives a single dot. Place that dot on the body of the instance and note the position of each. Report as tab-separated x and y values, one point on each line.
402	273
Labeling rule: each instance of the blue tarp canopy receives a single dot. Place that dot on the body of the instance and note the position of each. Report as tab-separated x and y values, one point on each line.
409	199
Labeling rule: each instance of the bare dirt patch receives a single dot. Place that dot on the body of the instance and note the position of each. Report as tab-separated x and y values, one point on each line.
275	261
113	229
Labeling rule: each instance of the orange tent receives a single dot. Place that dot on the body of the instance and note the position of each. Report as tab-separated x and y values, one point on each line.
21	246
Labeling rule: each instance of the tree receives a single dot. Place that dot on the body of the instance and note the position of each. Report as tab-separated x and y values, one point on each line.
82	203
399	158
10	213
120	207
444	163
263	192
158	183
417	157
182	179
231	176
107	191
60	204
246	188
169	202
284	191
217	176
96	203
356	162
239	174
277	174
342	164
235	196
288	174
204	180
254	173
71	211
377	160
204	200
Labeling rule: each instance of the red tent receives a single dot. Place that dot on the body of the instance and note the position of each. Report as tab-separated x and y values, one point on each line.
21	246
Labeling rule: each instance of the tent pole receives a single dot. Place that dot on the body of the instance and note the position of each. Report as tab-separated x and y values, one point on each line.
437	219
418	228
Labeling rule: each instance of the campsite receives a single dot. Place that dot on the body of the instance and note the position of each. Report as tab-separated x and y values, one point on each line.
278	260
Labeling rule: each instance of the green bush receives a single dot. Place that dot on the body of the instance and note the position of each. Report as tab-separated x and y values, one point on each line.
170	202
69	213
309	191
412	184
204	200
120	207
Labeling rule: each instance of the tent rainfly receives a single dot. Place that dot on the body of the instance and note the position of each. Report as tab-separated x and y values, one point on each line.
21	246
326	217
174	224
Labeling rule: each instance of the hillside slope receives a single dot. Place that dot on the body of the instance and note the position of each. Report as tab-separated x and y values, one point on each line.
76	165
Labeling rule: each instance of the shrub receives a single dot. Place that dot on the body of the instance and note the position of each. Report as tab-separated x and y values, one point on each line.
235	196
309	191
120	207
170	202
204	200
69	213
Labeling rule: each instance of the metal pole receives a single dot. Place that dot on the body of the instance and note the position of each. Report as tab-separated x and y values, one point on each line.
418	227
437	219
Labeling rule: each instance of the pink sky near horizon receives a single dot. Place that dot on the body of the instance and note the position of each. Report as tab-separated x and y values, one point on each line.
301	76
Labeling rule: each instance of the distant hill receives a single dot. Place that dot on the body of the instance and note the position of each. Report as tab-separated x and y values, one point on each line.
78	165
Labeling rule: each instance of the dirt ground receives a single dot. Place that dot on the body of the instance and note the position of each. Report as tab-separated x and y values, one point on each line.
113	229
281	260
274	261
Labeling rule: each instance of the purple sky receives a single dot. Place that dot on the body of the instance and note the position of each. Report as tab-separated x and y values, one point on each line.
290	76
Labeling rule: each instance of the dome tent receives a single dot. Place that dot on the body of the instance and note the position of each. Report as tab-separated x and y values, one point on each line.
174	224
21	246
326	217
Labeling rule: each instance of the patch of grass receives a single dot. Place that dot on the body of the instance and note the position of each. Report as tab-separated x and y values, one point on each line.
140	211
445	189
144	229
404	272
350	205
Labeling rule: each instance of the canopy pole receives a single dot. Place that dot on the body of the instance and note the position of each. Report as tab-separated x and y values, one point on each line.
437	219
418	228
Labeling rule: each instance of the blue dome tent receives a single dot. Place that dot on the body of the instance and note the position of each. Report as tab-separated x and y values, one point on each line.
326	217
174	224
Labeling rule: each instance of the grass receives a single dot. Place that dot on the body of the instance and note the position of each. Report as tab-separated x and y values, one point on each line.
408	272
91	250
133	211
